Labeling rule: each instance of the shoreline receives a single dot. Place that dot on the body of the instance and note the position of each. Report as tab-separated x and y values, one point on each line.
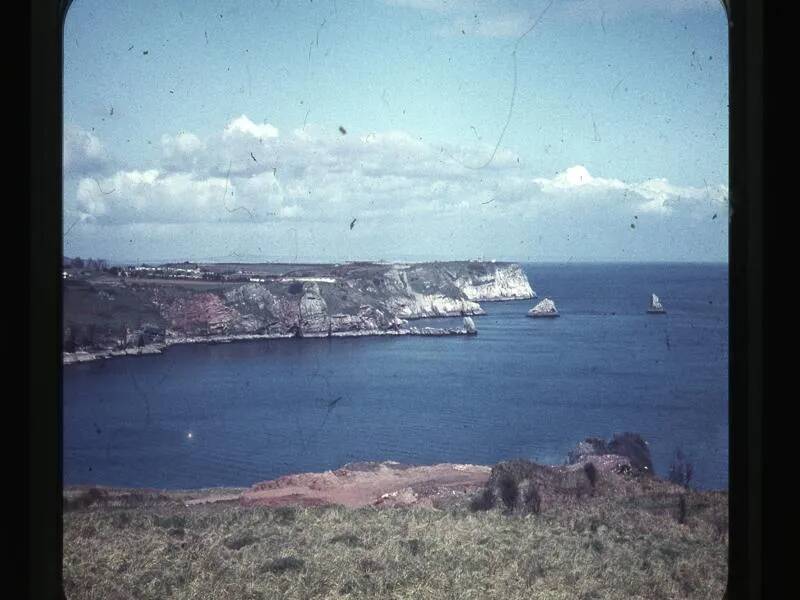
84	356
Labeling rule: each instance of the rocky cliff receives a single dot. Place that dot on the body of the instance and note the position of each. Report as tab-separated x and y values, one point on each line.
120	314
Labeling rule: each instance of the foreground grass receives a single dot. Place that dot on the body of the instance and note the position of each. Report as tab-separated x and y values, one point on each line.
602	548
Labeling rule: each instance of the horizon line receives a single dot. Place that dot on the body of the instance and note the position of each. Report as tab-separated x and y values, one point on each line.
252	260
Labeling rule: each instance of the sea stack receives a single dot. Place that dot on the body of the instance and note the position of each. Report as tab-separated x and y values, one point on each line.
545	308
469	326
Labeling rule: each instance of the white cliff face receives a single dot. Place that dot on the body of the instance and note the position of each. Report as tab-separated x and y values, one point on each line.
502	282
407	303
436	305
367	319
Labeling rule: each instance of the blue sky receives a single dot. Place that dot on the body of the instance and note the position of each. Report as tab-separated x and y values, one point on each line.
223	140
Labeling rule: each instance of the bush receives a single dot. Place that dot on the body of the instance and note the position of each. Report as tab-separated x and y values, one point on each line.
591	474
681	470
509	490
485	500
513	482
531	501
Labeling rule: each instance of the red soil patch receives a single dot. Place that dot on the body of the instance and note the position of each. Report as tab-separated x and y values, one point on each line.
383	484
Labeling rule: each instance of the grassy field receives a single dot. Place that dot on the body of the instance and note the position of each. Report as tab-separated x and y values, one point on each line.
600	547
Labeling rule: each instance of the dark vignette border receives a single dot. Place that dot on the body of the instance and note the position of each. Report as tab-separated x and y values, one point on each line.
747	280
747	276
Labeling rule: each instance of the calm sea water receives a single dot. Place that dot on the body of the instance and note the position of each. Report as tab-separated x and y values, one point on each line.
521	388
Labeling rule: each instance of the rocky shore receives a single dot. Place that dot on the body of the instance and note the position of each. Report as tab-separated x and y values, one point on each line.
82	356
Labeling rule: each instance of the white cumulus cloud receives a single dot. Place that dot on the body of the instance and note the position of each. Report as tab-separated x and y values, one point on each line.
243	125
319	175
656	195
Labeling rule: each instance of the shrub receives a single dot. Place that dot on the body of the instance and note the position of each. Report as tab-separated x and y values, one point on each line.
531	501
591	473
681	470
485	500
513	483
509	490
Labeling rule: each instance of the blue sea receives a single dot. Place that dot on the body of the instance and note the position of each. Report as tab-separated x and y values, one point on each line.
235	414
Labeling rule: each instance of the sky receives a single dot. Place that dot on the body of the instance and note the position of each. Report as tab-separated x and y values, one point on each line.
555	130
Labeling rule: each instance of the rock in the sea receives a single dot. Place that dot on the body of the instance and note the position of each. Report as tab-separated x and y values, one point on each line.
469	326
545	308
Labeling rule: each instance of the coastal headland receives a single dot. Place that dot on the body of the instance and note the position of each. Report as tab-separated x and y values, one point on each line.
134	310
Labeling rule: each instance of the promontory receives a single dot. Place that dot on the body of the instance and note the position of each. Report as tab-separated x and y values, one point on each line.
111	311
